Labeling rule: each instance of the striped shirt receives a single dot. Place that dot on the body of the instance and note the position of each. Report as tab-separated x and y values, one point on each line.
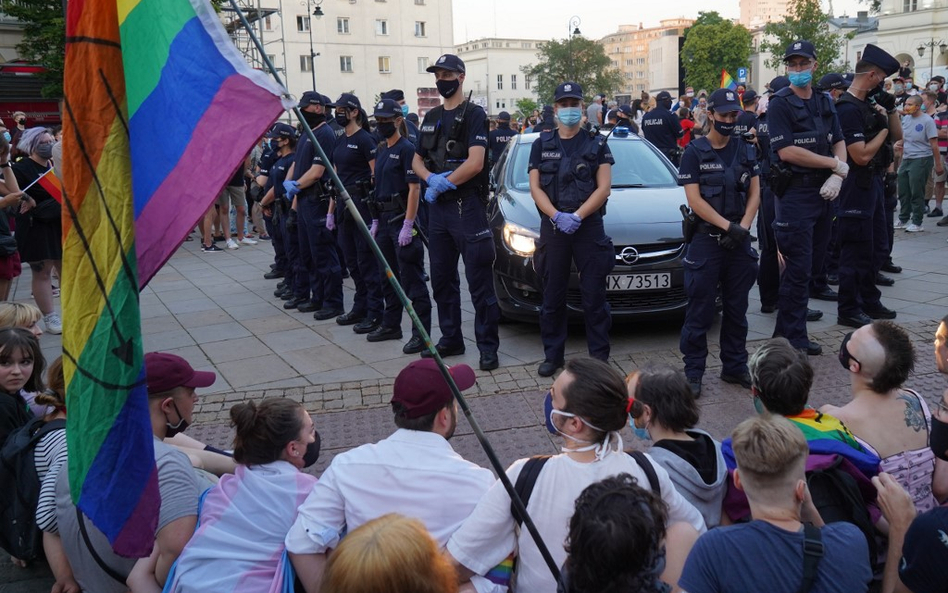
49	458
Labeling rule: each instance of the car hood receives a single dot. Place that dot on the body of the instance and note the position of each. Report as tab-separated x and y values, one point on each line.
634	215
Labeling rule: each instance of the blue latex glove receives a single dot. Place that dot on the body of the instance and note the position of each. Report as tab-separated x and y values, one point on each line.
331	222
374	227
431	196
292	188
438	184
405	235
566	222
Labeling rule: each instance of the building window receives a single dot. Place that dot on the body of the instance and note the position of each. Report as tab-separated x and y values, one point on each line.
345	63
640	87
302	24
385	65
640	61
267	23
527	81
526	45
306	63
272	58
420	29
500	82
422	65
513	82
640	74
501	104
909	5
342	25
381	27
628	62
419	2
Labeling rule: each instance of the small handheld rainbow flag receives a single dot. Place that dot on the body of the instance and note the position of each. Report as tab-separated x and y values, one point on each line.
727	82
151	88
52	185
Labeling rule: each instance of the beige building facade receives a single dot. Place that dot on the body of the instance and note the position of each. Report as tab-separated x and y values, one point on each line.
633	48
494	76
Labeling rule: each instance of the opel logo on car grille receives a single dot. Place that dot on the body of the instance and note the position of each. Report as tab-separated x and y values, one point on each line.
629	255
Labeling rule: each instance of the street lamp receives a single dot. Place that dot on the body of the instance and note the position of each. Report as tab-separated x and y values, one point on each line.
942	48
572	28
318	13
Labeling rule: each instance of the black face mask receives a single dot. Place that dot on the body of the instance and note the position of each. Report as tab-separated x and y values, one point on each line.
386	129
341	118
448	87
313	119
844	356
312	452
181	426
723	128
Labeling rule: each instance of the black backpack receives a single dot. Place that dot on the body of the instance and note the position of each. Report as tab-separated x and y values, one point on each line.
837	497
19	495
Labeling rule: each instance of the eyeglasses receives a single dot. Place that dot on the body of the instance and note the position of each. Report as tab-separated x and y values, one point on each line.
799	64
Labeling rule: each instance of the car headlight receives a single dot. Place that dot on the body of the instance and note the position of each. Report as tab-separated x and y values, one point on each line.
520	240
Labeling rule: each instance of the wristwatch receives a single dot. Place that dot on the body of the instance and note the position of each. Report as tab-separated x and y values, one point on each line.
5	165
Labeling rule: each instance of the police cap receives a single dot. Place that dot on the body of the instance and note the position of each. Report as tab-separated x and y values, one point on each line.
626	110
327	102
311	98
503	116
448	62
749	96
387	108
800	48
394	95
281	130
778	83
724	101
882	59
568	90
663	96
833	81
348	101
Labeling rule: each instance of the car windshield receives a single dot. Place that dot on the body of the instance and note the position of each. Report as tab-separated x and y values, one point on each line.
637	165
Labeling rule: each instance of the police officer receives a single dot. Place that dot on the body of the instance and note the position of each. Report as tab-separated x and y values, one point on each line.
570	180
451	158
625	118
500	136
398	96
546	120
768	275
260	184
747	120
868	119
833	83
396	201
274	166
306	188
721	180
808	160
661	127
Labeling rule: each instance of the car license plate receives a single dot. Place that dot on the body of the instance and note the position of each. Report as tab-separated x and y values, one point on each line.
638	281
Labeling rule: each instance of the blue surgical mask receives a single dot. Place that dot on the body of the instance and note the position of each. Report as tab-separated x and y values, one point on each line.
7	137
405	110
759	405
924	107
641	433
569	116
800	79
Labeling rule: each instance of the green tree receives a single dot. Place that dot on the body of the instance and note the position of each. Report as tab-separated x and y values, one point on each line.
579	60
525	108
711	44
805	20
44	38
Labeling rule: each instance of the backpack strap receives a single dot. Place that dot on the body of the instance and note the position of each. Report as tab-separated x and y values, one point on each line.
812	554
646	466
95	555
526	481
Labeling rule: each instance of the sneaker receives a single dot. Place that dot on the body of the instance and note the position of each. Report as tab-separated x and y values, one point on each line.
914	228
231	244
936	213
943	222
54	324
247	241
211	249
898	225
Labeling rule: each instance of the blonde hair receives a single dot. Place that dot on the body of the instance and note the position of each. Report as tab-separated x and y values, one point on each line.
391	554
19	315
771	455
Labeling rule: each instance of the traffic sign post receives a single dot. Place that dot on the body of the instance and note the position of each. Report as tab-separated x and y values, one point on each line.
742	75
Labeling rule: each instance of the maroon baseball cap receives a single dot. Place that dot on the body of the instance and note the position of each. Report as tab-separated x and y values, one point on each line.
165	372
421	389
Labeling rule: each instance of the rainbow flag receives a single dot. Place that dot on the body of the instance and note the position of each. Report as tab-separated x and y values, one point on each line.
727	82
52	185
152	88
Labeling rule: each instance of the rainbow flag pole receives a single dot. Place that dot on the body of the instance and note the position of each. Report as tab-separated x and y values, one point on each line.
727	82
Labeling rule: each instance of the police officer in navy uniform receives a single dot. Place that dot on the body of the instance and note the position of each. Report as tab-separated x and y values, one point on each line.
274	166
808	165
869	121
452	159
570	180
747	120
500	136
768	275
720	175
398	96
661	127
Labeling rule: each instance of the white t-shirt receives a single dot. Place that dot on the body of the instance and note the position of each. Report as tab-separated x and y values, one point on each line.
488	536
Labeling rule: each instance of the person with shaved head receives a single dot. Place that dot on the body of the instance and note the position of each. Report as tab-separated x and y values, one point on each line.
887	418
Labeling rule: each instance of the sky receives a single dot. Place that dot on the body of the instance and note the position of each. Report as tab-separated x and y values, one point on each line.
546	19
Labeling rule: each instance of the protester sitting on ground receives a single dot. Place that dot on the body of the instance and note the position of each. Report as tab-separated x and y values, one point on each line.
781	378
391	553
171	400
615	540
768	554
588	405
665	413
245	518
413	472
886	418
21	369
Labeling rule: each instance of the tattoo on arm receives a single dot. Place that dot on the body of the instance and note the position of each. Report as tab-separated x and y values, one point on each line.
914	418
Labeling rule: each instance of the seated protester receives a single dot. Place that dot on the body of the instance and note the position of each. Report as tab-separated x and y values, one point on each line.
20	373
781	378
171	399
665	412
391	553
588	406
889	420
616	540
414	472
244	519
767	554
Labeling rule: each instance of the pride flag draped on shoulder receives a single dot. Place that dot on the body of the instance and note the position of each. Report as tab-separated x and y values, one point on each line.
150	90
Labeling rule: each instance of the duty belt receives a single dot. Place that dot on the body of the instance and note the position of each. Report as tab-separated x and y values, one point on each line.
389	206
808	180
